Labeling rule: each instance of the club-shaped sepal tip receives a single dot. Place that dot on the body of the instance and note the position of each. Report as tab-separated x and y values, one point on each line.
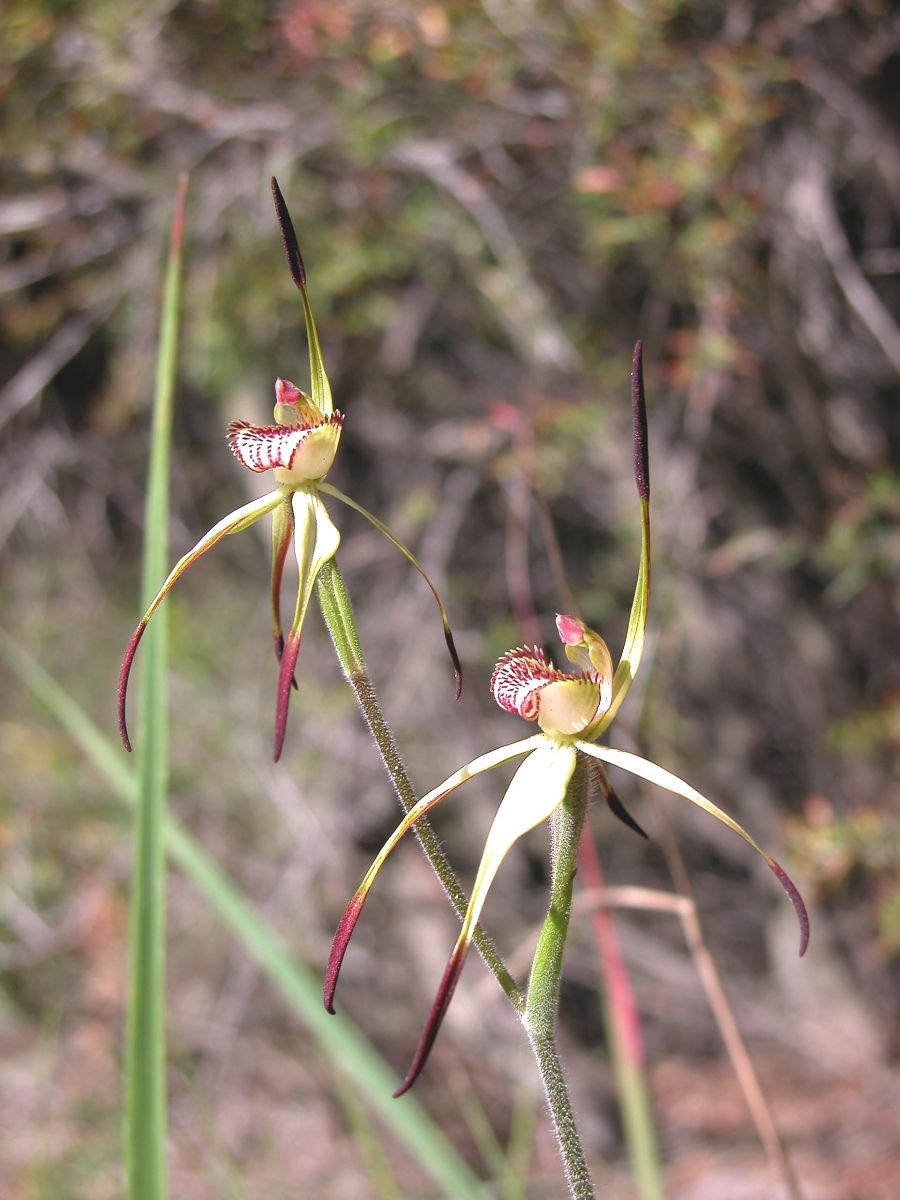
289	237
793	893
639	424
447	987
122	687
618	809
342	936
454	658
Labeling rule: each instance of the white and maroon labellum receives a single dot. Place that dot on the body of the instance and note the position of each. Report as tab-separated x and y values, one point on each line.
526	684
298	453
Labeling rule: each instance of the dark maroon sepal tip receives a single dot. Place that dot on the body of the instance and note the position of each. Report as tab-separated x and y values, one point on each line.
283	695
289	237
454	658
339	945
442	1000
122	686
618	809
796	899
639	424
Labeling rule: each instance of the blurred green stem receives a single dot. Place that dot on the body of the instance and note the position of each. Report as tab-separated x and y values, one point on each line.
542	999
538	1008
145	1054
338	613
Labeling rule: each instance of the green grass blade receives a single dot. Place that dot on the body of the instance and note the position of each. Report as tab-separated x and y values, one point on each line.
520	1144
338	1038
479	1126
369	1142
145	1054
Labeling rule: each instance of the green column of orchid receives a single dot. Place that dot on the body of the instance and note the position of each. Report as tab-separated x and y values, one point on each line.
542	998
337	611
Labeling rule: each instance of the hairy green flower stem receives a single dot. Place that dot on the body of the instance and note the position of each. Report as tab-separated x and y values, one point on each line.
338	613
542	999
538	1007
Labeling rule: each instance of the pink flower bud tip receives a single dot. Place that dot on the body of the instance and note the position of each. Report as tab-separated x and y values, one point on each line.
571	630
286	392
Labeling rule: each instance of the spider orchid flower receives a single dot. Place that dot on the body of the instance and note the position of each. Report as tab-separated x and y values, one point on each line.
299	449
571	710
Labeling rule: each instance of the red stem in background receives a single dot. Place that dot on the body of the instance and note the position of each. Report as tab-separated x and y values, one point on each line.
621	996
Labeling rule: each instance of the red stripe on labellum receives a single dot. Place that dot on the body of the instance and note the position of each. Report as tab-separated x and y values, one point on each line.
342	936
435	1017
796	899
639	424
289	237
122	687
283	695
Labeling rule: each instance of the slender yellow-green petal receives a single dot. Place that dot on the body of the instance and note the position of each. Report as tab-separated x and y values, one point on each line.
411	558
321	391
665	779
241	518
315	542
537	788
282	536
484	762
637	621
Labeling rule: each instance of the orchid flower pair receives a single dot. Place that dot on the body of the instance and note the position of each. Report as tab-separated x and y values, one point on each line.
572	710
300	449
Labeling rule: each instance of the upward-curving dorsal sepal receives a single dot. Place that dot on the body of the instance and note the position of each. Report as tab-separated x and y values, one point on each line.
639	424
321	389
289	237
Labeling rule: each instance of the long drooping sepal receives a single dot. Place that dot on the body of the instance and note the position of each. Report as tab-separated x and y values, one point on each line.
315	542
485	762
537	788
321	390
637	621
282	536
410	558
241	518
665	779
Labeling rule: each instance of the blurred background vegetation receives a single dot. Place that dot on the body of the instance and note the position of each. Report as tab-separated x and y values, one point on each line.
494	201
